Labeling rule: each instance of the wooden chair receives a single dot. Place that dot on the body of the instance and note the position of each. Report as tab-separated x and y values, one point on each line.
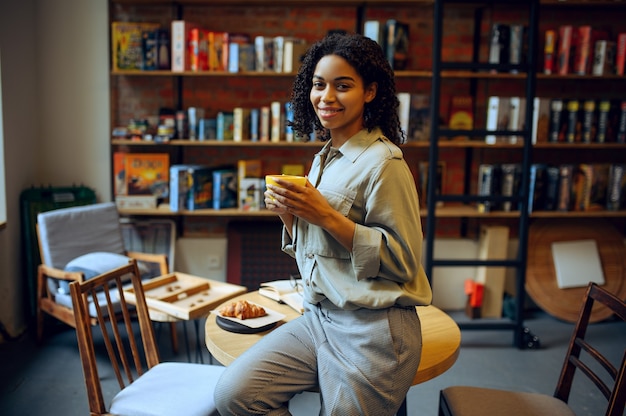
147	387
89	237
473	401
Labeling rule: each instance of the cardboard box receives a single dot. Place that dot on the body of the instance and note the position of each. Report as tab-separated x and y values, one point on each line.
492	245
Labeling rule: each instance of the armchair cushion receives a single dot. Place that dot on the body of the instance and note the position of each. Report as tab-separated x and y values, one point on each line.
92	264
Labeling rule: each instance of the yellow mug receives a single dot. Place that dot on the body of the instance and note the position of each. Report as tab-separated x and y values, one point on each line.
298	180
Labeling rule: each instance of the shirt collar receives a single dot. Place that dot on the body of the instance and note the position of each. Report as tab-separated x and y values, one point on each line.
356	144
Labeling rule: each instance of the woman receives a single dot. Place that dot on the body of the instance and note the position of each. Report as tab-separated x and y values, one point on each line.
355	232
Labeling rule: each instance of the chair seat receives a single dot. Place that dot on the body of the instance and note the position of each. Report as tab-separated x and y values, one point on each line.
170	389
476	401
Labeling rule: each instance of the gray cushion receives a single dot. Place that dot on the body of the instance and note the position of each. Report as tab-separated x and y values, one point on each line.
170	389
477	401
92	265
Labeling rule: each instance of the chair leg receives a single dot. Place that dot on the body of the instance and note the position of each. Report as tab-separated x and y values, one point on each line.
174	337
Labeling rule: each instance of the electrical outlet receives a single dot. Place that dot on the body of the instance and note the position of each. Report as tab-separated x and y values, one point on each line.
214	262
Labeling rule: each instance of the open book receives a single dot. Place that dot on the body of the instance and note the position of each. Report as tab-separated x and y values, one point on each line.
285	291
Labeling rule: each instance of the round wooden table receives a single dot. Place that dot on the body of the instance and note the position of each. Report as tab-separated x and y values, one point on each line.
441	337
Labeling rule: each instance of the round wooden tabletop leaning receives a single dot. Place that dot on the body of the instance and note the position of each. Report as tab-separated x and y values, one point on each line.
441	337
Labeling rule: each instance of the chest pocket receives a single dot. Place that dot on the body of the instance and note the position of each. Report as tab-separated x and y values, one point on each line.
320	242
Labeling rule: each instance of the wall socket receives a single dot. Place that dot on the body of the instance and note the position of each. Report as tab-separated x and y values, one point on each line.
215	262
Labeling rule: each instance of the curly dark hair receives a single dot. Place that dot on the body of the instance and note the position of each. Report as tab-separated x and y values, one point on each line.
369	61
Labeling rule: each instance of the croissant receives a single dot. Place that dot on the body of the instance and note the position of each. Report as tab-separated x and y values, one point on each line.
242	309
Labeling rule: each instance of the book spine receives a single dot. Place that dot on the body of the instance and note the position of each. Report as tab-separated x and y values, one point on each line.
288	117
548	52
620	54
604	58
589	122
565	187
163	49
488	185
516	46
254	124
621	124
581	186
583	51
149	50
264	124
276	114
493	104
616	187
536	187
179	46
604	109
515	117
279	53
573	125
565	45
510	183
556	116
551	188
372	30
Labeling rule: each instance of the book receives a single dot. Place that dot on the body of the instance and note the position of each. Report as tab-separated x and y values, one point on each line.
517	112
149	50
620	136
564	48
541	120
276	121
604	58
200	194
549	55
249	168
119	173
488	185
241	57
620	54
577	263
397	44
589	121
599	186
516	45
564	199
179	186
500	42
225	126
254	124
288	117
264	124
583	51
218	50
419	118
536	187
163	49
225	190
498	118
556	132
604	126
510	183
241	124
251	194
551	178
180	48
286	291
264	53
136	201
147	174
616	188
293	53
574	127
199	49
127	44
582	180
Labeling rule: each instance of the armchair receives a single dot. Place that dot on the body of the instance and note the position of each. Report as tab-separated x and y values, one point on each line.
77	244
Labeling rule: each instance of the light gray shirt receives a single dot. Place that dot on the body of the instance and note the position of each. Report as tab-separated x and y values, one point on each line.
367	180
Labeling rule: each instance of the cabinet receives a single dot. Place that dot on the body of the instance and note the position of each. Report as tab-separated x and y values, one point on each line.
483	80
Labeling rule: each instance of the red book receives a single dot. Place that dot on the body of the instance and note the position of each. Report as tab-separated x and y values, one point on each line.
565	45
198	50
620	55
583	51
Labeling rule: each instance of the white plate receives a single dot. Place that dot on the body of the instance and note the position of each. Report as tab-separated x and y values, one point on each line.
271	317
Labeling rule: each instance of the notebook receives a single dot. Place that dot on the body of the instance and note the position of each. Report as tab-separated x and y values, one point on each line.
577	263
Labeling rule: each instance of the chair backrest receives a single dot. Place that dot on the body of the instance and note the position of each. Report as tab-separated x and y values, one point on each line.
608	377
130	353
67	233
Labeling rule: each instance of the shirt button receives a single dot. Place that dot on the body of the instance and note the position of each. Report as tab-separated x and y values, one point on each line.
309	256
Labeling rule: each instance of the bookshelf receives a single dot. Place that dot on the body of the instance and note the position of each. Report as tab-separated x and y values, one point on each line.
529	82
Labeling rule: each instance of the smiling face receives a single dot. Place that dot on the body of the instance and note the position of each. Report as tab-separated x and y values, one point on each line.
339	96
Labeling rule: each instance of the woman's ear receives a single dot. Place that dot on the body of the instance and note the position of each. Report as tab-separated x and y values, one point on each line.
370	92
